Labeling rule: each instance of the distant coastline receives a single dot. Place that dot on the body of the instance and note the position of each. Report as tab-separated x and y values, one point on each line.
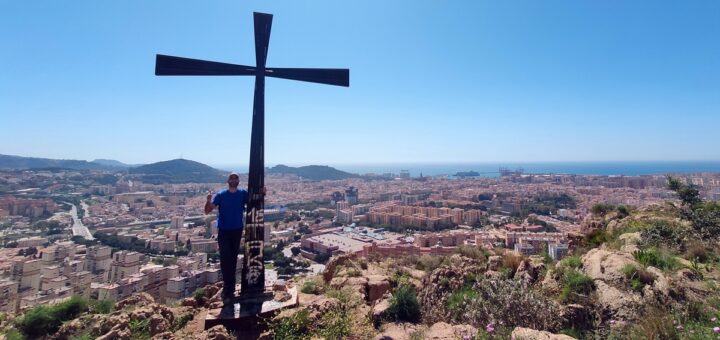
491	169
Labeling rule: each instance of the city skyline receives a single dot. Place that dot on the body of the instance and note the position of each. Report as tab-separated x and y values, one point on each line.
459	82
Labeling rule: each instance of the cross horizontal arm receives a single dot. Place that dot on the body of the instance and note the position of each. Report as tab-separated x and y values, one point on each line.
330	76
166	65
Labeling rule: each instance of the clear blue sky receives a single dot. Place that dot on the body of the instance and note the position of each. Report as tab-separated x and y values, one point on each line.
430	81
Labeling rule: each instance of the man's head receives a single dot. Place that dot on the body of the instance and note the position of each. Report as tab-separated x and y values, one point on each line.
233	180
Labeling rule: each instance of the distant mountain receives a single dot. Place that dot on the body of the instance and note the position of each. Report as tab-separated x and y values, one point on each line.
312	172
177	171
112	162
22	163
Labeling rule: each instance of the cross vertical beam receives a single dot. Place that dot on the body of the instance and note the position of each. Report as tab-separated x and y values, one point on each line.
253	271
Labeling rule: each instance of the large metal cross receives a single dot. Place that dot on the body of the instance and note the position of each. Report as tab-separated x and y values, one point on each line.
253	270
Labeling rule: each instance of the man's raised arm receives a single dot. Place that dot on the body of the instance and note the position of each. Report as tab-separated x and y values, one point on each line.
209	206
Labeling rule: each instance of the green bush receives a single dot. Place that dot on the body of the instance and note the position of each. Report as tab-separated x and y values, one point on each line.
457	301
353	272
602	209
638	278
292	328
42	320
656	257
575	285
662	234
572	262
37	322
180	322
309	287
336	324
428	263
140	329
199	295
705	218
14	334
473	252
596	238
509	303
404	305
101	306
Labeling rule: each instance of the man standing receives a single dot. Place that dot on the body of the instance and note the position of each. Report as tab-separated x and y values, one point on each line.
231	209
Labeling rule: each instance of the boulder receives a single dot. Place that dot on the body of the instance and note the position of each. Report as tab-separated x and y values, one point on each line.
119	321
529	270
687	285
377	287
68	329
137	300
445	331
189	302
661	284
211	290
164	336
379	311
399	331
319	307
577	316
218	333
630	242
437	286
158	324
606	265
550	283
332	265
616	304
116	333
531	334
282	296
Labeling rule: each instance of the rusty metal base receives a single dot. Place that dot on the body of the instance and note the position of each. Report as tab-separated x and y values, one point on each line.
246	315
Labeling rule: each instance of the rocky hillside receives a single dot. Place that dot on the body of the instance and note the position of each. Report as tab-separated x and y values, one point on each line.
137	317
644	275
653	273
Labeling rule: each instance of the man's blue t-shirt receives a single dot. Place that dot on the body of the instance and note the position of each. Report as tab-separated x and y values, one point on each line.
231	207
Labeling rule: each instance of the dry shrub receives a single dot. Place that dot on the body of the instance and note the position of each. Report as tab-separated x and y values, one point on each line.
698	252
510	303
511	261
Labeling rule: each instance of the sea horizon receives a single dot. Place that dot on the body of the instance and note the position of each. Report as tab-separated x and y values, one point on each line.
491	169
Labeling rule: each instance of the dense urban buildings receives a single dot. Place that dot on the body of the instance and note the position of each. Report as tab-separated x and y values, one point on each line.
102	235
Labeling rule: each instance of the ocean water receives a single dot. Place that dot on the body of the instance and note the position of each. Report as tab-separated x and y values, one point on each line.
491	169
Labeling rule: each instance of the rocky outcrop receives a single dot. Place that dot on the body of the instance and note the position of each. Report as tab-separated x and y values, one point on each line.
321	306
606	265
630	242
333	265
218	333
442	281
445	331
520	333
577	316
399	331
377	287
529	270
357	285
617	304
135	300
